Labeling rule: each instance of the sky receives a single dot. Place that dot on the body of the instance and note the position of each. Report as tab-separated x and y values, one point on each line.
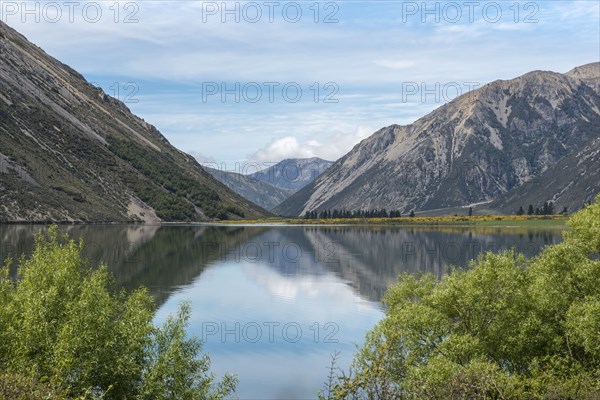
237	82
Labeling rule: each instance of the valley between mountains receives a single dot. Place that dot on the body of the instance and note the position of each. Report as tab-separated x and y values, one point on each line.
71	153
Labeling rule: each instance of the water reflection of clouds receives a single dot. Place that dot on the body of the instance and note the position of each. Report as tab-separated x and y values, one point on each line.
246	293
255	289
281	372
290	287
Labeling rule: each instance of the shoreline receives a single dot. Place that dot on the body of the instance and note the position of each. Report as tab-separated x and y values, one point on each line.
506	221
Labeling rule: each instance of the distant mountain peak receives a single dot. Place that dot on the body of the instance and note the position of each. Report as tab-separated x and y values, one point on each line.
304	160
293	173
270	187
261	193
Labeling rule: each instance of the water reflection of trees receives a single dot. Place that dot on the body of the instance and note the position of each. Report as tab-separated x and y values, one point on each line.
368	258
395	251
176	256
161	258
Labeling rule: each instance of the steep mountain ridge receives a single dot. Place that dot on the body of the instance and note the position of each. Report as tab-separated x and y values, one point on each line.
474	149
261	193
69	152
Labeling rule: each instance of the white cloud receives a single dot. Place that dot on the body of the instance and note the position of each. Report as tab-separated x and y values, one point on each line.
328	147
286	147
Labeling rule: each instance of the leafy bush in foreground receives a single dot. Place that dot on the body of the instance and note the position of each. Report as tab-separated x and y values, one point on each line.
506	328
66	333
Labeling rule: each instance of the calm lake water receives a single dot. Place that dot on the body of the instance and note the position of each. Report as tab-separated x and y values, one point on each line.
273	303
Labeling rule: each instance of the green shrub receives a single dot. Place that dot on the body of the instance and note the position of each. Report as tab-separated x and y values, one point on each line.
63	324
506	328
19	387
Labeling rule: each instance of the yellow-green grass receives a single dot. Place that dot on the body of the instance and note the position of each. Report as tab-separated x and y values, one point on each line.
542	221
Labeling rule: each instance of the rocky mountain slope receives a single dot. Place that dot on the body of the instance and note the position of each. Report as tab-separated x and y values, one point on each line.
572	182
261	193
69	152
293	173
476	149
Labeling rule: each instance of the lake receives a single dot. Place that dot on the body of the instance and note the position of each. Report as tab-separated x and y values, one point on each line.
274	303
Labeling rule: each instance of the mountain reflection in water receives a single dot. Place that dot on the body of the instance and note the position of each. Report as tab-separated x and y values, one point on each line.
272	303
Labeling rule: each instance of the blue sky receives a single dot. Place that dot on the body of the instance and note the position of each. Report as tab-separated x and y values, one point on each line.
374	63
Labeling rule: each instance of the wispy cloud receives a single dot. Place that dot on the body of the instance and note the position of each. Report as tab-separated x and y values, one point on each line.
370	54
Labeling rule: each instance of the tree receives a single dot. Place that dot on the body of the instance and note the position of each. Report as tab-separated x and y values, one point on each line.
530	210
412	213
502	328
63	323
520	211
550	208
546	208
470	211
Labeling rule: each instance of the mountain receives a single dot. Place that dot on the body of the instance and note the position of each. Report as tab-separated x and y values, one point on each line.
261	193
270	187
69	152
293	173
572	182
589	73
475	149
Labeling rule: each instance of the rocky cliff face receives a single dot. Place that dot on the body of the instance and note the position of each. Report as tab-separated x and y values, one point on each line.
475	149
572	182
69	152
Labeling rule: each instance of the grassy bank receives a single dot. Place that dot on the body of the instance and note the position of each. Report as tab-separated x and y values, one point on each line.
545	221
